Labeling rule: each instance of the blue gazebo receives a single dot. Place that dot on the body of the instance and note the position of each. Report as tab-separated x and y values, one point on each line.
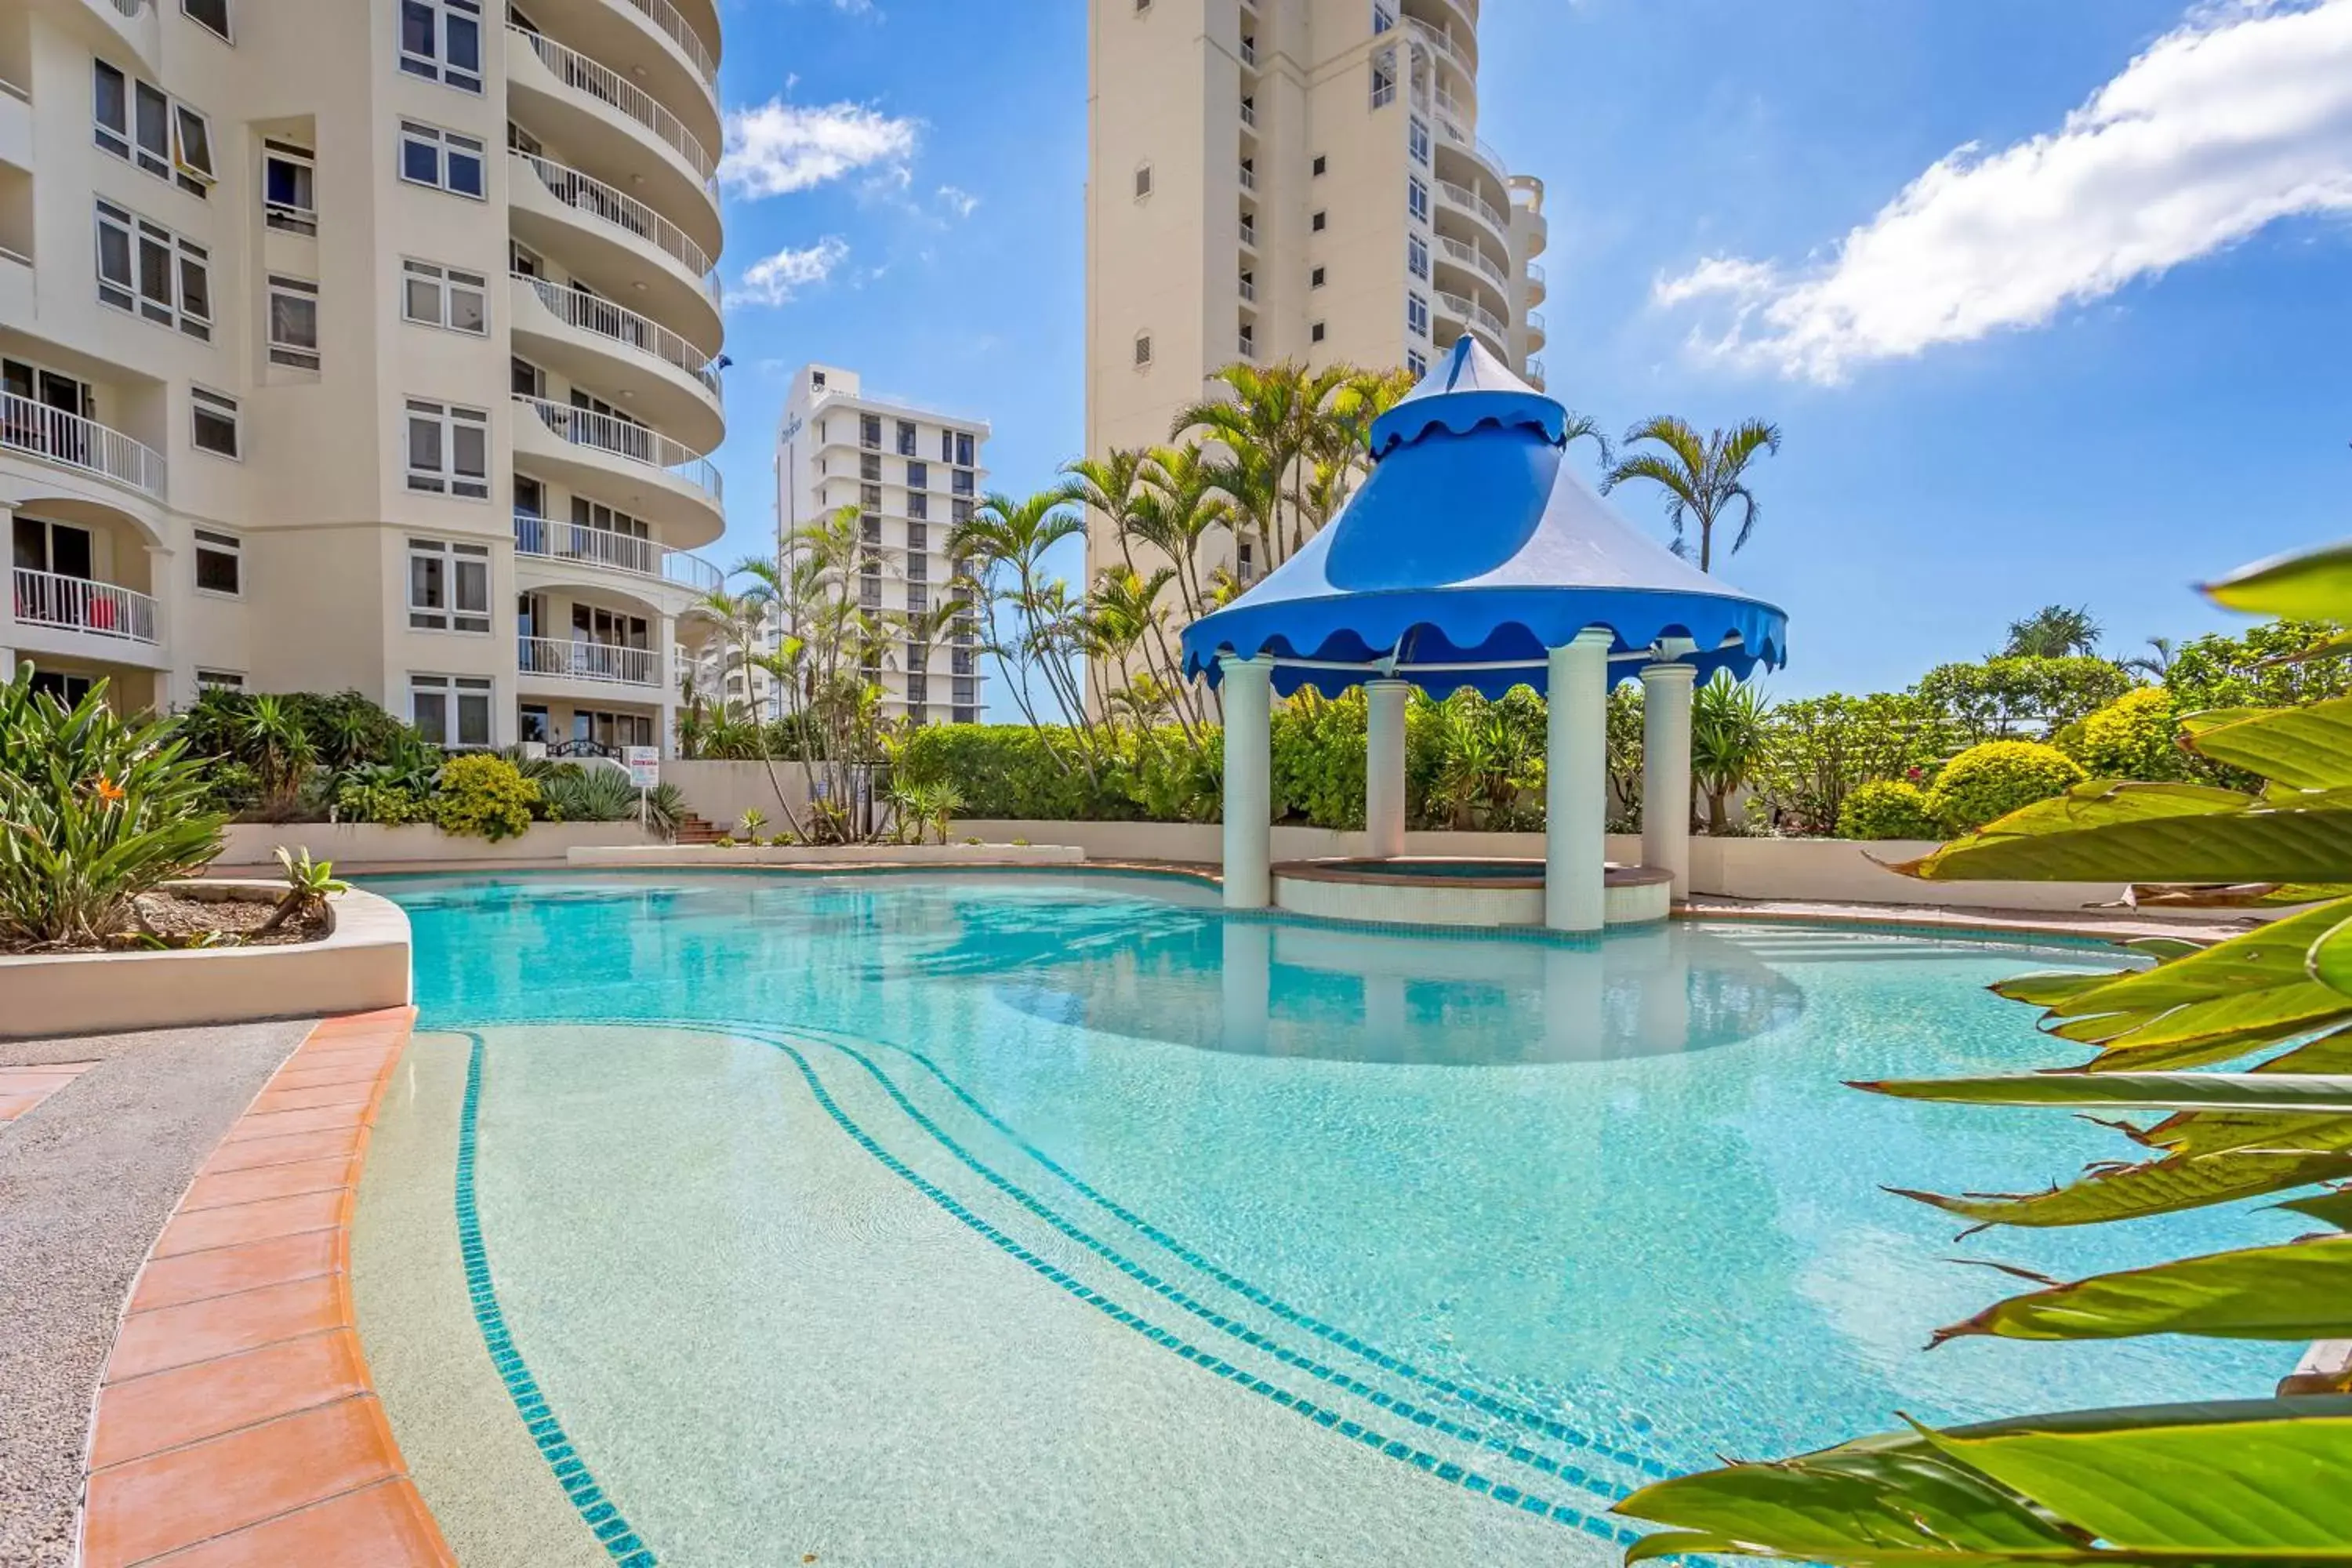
1474	556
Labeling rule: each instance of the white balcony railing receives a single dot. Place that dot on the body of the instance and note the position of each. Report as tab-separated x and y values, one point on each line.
1536	374
1249	114
1536	324
1534	272
1478	261
582	660
552	538
595	314
584	193
77	604
1438	42
1463	196
1249	178
666	21
1463	309
602	81
70	441
622	439
1249	290
128	9
1249	52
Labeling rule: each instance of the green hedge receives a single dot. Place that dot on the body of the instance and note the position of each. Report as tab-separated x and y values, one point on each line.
1985	783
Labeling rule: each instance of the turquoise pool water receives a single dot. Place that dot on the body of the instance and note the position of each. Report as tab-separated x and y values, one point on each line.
1032	1219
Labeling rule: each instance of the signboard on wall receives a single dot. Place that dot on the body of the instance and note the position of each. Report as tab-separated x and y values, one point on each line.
644	764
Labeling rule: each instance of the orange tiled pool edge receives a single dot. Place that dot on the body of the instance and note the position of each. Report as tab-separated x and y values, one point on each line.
236	1422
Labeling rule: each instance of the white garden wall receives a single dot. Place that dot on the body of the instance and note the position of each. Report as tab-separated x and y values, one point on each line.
253	845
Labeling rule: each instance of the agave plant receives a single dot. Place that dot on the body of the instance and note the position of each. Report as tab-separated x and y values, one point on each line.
95	810
590	795
2255	1480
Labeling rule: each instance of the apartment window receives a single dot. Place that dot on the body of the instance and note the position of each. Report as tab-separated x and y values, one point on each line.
210	14
964	447
1416	363
1315	332
1318	221
1383	20
442	158
445	297
293	322
1416	256
962	482
869	431
918	506
1315	279
448	587
289	187
143	267
140	123
918	567
1416	141
870	497
959	511
220	564
869	528
918	476
918	598
906	434
918	687
441	40
452	711
1416	197
1320	164
963	692
1142	181
212	421
1416	315
1142	350
869	466
525	379
219	680
919	537
449	449
967	715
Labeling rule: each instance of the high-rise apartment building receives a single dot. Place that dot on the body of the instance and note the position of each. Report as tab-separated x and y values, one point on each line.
369	345
913	475
1291	179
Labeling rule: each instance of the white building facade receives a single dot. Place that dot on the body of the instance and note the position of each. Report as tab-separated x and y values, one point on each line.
371	344
913	475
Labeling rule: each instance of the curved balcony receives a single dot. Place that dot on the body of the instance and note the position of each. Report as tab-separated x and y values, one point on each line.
616	244
640	470
613	125
567	547
661	48
78	604
592	342
1536	337
1537	288
1464	255
136	24
1475	317
1449	26
556	661
66	440
1462	199
1461	63
1535	377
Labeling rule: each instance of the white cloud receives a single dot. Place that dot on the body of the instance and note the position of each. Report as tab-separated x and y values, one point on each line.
779	148
2239	117
777	280
958	201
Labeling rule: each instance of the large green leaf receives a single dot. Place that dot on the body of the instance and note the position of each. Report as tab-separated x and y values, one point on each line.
2277	1483
2303	748
2333	1206
2300	1291
2308	1094
2315	586
2162	1187
2156	833
2329	958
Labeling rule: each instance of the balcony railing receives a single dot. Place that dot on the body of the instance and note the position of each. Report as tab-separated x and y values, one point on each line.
77	604
584	193
1438	42
128	8
1463	196
1536	374
1466	310
582	661
1470	256
594	313
70	441
1249	51
1534	320
1249	290
602	81
552	538
1249	177
1534	272
669	24
1249	114
605	433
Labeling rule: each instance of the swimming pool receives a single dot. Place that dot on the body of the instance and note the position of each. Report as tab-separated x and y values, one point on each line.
1062	1218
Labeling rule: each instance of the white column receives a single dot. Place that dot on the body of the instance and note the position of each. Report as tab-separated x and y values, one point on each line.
1385	767
1249	780
1576	784
1246	980
1665	769
666	671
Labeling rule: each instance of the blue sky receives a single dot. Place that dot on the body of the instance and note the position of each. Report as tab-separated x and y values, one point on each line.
2052	299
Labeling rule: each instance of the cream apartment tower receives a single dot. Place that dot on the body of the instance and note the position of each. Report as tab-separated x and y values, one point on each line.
365	343
1291	179
913	474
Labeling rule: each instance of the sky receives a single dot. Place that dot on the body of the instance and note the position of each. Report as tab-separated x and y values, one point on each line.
2051	299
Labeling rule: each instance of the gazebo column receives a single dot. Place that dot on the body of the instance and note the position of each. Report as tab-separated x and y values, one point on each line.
1385	767
1576	784
1666	768
1249	780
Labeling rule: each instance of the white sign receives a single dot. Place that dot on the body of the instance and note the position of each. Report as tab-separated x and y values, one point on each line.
644	764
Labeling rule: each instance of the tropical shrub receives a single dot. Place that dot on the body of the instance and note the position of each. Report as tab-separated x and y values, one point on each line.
1731	738
1888	808
387	805
309	885
1318	759
2133	737
484	797
666	809
1823	748
2002	697
95	810
2252	1481
2257	669
589	795
1988	781
231	788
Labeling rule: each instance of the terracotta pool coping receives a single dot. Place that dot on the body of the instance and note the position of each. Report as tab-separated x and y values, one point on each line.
236	1422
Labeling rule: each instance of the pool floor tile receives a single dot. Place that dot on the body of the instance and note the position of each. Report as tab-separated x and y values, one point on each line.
380	1526
228	1188
144	1508
225	1271
169	1409
255	1221
224	1325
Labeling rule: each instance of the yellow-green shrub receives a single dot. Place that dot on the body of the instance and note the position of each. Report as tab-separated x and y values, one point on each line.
1887	808
1985	782
483	796
2133	738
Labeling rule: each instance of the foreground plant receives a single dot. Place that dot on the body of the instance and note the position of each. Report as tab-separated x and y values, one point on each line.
309	885
2257	1480
95	810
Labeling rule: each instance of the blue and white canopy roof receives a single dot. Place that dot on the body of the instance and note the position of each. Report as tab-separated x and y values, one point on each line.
1470	551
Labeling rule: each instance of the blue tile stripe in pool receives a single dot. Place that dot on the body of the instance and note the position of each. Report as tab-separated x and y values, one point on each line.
1459	1475
1532	1419
597	1511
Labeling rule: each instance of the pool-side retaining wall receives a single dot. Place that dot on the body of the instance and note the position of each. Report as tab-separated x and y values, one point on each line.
702	857
253	845
361	966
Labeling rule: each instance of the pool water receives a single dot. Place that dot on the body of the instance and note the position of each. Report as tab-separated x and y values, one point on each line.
1010	1218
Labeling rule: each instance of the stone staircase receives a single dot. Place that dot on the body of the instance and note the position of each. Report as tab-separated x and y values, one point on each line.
695	830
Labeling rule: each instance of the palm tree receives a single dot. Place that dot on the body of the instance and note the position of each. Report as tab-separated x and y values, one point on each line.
1108	485
1282	412
2156	663
1002	548
2053	631
1730	737
1702	476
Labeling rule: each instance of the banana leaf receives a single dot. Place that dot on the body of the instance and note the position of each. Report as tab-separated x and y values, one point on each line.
2307	1094
2154	833
2315	586
2329	958
2170	1186
2333	1206
2302	748
2299	1291
2230	895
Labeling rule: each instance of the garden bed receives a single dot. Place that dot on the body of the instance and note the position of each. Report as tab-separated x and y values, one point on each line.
203	915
